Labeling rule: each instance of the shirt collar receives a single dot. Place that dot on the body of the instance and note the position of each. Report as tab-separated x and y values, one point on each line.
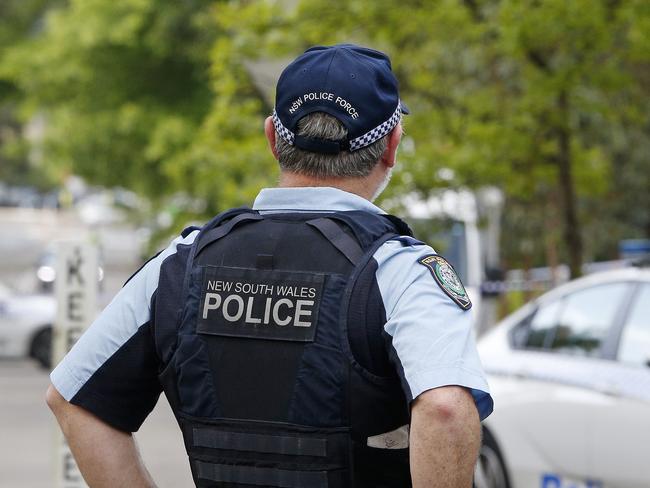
312	199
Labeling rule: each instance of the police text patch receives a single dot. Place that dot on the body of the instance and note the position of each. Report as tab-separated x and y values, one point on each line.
447	279
260	304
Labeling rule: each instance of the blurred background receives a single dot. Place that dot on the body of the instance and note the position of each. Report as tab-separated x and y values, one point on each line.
525	160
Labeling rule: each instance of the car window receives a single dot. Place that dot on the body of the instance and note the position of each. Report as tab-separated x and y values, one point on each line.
576	323
586	317
542	325
635	341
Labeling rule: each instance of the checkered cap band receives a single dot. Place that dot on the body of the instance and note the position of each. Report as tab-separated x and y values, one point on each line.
358	143
285	133
378	132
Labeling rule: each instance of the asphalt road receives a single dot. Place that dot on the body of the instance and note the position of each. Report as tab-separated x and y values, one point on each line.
27	434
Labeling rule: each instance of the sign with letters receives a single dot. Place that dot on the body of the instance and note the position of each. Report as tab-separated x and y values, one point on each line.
75	288
259	304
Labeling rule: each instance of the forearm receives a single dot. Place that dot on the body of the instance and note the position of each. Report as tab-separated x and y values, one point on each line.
106	457
445	439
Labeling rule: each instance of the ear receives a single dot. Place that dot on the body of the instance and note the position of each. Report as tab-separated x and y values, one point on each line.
269	130
390	153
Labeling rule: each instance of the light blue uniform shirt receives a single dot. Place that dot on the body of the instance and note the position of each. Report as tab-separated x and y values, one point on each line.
432	336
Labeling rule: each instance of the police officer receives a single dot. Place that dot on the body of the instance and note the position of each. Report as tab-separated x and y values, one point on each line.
310	341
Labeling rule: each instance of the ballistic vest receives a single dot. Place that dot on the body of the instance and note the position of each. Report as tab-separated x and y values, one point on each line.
276	363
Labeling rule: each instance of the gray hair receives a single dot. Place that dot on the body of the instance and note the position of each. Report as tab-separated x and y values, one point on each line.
344	164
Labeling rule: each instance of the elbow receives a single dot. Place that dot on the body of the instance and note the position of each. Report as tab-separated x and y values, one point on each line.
450	405
54	400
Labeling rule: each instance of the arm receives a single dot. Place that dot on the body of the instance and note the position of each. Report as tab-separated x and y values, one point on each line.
106	457
445	438
107	384
434	352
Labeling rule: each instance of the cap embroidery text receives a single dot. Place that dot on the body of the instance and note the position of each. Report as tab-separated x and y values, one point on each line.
313	96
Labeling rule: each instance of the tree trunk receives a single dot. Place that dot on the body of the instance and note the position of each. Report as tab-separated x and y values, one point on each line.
572	234
551	222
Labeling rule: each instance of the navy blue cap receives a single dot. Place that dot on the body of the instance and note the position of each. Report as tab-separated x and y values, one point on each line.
352	83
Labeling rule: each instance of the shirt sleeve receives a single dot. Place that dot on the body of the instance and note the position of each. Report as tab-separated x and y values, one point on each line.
112	370
432	337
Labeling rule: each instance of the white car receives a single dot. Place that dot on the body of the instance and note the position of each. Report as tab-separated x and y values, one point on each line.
26	325
570	378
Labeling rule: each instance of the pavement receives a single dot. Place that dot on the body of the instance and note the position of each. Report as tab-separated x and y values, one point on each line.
27	434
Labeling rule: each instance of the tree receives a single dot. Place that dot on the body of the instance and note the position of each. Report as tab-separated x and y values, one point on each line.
122	86
18	19
572	66
521	94
545	99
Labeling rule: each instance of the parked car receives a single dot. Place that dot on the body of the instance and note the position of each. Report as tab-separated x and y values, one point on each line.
26	325
570	377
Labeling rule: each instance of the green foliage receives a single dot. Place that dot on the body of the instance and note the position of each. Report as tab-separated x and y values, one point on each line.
494	86
162	96
18	18
123	86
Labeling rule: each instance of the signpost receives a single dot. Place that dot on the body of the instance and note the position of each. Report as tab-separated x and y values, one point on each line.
76	295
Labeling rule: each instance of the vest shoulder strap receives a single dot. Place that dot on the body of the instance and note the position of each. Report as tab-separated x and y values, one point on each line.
401	227
341	240
225	220
221	230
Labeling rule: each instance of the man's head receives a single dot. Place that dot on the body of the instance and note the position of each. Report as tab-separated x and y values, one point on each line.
337	113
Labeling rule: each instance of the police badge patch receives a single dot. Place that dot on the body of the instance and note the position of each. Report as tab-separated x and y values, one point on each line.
447	279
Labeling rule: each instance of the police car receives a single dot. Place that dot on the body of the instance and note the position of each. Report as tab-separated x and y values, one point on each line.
26	325
570	378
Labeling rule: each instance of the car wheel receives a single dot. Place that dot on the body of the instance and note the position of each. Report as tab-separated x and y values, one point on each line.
41	348
490	470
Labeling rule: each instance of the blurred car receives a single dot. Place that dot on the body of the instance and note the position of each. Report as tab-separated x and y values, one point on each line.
570	377
26	325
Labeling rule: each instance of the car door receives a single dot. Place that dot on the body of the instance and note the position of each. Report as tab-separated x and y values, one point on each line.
562	348
620	422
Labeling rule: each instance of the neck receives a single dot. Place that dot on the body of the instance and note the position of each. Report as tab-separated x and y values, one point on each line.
359	186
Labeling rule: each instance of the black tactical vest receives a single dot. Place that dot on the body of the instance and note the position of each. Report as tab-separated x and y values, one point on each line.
276	361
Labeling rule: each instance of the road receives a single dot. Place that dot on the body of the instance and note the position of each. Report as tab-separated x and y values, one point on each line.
27	433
